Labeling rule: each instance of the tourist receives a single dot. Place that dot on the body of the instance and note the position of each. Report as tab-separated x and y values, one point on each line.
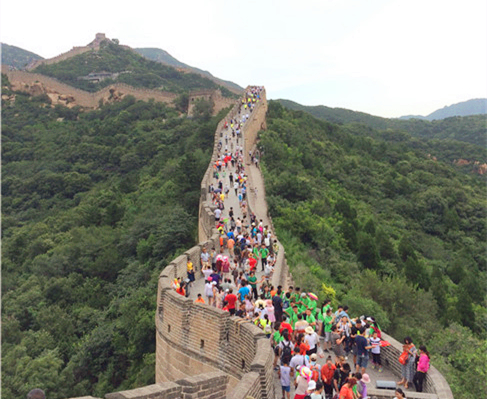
375	342
284	374
423	367
327	373
408	369
318	392
302	382
346	391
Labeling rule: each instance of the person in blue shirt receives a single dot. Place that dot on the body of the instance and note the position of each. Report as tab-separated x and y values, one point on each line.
243	291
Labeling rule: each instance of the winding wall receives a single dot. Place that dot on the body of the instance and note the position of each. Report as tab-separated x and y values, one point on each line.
193	337
203	352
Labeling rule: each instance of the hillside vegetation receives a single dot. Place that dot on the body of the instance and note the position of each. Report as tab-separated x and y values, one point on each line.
388	230
470	129
17	57
134	70
93	206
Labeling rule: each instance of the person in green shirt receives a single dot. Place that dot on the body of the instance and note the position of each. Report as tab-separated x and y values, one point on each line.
252	280
264	253
293	315
327	323
275	341
310	318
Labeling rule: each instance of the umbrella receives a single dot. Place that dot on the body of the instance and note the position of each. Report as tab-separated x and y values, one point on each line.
312	296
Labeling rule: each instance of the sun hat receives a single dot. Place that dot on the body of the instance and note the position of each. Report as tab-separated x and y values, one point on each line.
312	385
309	330
305	372
365	378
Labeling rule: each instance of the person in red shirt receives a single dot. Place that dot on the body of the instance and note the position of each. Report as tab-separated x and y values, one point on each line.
286	326
252	263
347	389
231	299
181	290
327	372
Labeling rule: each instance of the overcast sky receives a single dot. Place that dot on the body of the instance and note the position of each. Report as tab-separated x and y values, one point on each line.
387	58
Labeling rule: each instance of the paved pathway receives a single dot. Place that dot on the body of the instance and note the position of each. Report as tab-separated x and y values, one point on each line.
257	203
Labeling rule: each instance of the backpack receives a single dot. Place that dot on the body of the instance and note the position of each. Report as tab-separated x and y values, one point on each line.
286	353
315	374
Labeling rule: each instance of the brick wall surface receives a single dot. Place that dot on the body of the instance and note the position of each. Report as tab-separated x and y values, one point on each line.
434	383
23	80
193	337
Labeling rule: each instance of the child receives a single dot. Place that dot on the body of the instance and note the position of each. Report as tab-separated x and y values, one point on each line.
375	342
284	374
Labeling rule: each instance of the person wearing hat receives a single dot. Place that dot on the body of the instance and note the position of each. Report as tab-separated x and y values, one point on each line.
311	338
314	367
362	381
311	387
302	382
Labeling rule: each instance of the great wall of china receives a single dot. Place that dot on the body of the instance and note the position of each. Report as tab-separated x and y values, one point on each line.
203	352
61	93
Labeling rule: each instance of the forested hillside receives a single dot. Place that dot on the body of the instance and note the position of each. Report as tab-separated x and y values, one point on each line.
469	129
369	218
93	206
17	57
134	70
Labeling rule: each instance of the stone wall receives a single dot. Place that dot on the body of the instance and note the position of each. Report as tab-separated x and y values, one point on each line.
219	102
23	81
61	57
193	338
204	386
434	383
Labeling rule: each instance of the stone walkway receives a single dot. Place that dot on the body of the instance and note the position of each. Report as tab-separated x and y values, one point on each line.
257	202
258	205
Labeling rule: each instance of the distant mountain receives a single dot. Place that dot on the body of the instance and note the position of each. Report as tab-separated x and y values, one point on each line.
111	62
470	129
16	57
162	56
339	115
477	106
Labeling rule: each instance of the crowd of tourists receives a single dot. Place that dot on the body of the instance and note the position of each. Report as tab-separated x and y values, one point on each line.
238	279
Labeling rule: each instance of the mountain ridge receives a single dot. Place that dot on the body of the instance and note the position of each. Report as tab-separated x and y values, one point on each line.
470	129
475	106
162	56
17	57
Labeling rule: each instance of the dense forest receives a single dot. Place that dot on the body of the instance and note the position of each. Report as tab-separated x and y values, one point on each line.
94	205
371	220
134	70
470	129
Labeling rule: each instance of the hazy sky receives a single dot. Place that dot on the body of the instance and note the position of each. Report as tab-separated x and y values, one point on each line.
387	58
